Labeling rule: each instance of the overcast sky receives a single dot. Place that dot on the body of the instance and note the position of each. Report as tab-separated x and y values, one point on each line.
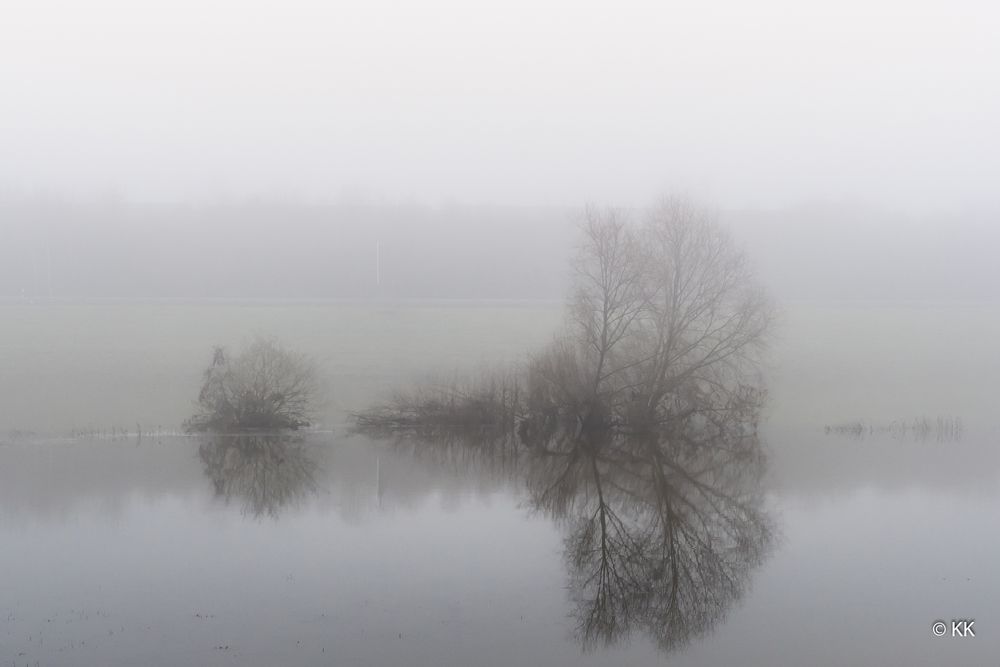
760	104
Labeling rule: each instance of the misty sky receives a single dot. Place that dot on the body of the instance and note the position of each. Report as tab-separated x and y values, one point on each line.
748	104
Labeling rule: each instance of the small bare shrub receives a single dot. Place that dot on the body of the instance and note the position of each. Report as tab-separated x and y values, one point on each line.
265	386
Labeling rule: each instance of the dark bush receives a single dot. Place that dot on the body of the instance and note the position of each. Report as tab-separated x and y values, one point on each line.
265	386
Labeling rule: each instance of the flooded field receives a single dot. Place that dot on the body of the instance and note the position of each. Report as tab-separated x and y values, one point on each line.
123	541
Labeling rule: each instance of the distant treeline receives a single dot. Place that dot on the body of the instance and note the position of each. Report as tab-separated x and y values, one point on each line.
274	249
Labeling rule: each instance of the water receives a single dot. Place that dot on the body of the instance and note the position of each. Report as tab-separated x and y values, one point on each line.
123	549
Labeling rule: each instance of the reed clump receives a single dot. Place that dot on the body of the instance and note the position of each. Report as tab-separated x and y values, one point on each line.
942	429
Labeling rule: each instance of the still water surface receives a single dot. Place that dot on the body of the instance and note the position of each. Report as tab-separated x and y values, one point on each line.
333	549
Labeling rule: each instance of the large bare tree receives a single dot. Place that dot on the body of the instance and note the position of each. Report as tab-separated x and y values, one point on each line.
661	311
707	317
609	297
665	321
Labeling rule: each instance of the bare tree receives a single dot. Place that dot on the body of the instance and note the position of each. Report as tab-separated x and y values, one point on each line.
666	320
708	318
636	427
608	299
662	312
265	386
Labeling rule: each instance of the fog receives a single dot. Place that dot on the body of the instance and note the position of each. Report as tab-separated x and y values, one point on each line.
763	104
852	147
86	248
457	333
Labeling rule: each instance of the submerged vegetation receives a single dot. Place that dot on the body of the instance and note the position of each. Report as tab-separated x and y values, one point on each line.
249	403
941	429
636	428
665	324
490	401
265	386
661	529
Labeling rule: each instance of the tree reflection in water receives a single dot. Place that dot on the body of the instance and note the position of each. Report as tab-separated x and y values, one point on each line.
636	427
661	538
662	529
265	472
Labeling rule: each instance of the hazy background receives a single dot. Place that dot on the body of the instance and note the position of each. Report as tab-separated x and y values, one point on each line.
253	149
270	249
218	151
